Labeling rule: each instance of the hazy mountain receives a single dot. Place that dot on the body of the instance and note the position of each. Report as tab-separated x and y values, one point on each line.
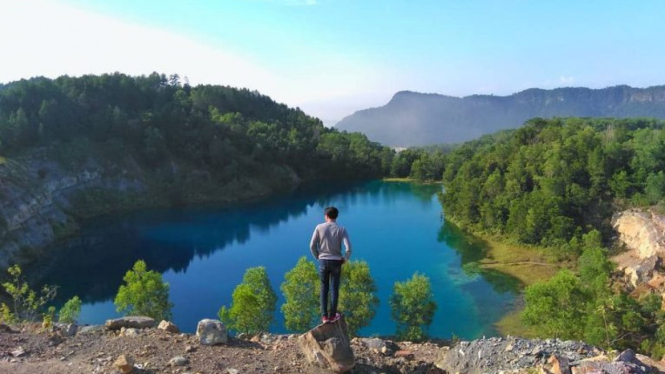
412	118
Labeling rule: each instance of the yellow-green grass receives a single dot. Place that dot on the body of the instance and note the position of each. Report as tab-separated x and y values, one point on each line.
511	324
2	160
529	265
398	180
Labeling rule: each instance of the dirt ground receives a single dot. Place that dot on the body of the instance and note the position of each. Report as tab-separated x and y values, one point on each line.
152	351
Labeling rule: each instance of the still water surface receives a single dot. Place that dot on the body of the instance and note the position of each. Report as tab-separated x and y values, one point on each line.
203	252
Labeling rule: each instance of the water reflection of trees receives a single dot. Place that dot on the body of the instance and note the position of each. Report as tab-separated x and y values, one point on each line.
472	250
92	264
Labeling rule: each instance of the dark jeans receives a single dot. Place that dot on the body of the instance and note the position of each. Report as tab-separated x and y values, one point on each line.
329	271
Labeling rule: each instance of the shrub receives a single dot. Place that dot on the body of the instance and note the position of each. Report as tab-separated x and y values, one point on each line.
26	303
413	307
70	312
253	306
144	294
301	294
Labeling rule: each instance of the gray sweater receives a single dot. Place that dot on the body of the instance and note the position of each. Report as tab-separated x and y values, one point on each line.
327	239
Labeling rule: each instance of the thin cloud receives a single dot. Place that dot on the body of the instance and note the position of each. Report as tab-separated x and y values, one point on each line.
564	80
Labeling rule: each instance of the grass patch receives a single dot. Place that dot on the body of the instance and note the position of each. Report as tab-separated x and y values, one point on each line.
398	180
2	160
529	265
511	324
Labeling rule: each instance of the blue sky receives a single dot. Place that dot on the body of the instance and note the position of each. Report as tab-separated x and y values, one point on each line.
333	57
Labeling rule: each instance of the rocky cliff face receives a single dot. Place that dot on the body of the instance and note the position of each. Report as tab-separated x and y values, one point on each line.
42	200
35	202
643	233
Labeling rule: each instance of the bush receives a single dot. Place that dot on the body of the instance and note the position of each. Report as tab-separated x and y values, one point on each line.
301	294
413	307
253	306
27	304
357	295
70	312
144	294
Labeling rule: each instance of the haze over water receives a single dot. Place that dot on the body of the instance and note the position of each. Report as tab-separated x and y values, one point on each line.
203	253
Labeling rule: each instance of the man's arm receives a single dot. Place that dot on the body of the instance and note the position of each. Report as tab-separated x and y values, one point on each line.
347	245
314	244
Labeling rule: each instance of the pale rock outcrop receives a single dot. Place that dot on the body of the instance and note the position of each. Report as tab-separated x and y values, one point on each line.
327	346
124	364
135	322
211	332
168	327
643	232
636	270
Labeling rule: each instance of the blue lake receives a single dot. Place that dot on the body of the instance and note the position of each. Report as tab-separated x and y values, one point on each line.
203	252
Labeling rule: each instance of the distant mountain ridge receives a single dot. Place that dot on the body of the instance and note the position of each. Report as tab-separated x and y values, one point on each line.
412	118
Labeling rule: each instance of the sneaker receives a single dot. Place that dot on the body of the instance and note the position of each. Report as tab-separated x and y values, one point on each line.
325	319
336	317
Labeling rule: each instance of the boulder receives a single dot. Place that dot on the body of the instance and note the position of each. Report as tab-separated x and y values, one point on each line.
5	328
328	346
65	329
559	365
124	364
642	232
179	361
94	329
136	322
168	327
129	332
637	270
211	332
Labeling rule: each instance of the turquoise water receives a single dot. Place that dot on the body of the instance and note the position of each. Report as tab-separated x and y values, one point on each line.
203	252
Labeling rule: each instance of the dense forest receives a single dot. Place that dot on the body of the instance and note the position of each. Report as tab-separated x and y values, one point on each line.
157	119
555	184
551	181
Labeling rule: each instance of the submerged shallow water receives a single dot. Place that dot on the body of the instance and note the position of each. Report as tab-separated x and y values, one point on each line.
203	252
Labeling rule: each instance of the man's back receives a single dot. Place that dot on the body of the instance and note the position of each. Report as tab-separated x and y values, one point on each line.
327	239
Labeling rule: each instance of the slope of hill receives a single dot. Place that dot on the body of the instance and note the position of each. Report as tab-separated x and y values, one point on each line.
412	118
71	148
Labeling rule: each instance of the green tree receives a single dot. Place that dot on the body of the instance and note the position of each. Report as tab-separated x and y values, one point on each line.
69	313
556	308
357	295
301	294
27	303
413	307
144	294
253	306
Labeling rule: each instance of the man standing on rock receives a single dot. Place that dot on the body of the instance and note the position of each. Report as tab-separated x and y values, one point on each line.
326	246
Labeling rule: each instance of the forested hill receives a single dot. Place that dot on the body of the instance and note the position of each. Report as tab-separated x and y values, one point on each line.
412	119
551	181
157	119
76	147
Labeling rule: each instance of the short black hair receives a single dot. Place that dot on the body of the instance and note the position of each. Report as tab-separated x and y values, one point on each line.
331	212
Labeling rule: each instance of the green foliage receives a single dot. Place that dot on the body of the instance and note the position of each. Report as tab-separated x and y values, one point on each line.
48	317
301	295
253	306
584	307
144	294
69	313
157	120
556	308
553	180
357	295
27	303
412	304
